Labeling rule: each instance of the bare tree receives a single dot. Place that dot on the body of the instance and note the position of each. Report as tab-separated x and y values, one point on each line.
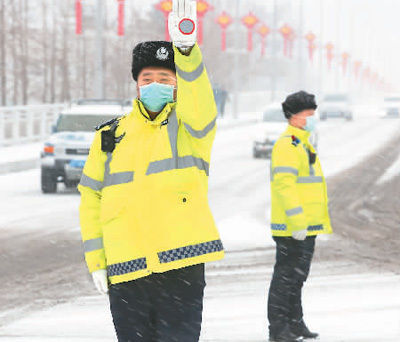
3	55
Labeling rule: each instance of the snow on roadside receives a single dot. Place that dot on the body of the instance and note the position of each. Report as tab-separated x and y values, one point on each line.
391	172
348	308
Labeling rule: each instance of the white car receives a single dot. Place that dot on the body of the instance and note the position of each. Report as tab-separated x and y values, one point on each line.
273	125
392	106
336	106
65	151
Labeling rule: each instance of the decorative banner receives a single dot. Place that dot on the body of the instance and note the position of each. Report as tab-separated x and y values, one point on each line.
165	6
78	13
357	66
311	46
250	20
121	17
345	59
287	34
202	8
263	31
329	54
224	20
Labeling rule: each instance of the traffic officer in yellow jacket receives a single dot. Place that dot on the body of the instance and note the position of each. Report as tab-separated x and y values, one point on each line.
146	224
299	212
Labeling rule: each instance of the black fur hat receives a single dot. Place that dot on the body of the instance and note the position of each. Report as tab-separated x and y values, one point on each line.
156	53
298	102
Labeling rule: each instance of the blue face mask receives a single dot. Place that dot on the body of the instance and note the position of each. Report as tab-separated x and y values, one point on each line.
155	96
311	122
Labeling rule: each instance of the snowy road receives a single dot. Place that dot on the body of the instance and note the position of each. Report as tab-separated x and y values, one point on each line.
236	292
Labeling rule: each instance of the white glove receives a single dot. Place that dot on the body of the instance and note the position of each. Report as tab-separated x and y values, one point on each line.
100	281
182	23
300	234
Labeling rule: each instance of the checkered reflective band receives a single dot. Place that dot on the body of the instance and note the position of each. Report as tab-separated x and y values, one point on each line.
277	226
315	228
126	267
190	251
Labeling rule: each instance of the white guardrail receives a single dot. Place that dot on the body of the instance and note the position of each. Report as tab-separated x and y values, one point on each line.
23	124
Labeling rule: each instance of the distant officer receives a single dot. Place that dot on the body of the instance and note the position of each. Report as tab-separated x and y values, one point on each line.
299	212
145	220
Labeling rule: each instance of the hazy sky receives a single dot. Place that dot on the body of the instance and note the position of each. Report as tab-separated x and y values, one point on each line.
367	29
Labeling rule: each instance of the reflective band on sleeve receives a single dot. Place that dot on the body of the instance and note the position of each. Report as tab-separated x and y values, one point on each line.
285	169
126	267
294	211
311	179
201	133
190	251
190	76
176	162
91	183
115	178
92	245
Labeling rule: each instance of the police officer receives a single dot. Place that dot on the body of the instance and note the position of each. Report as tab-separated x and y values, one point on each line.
299	212
146	224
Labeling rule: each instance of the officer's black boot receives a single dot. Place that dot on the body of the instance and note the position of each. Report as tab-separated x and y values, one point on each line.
285	335
299	328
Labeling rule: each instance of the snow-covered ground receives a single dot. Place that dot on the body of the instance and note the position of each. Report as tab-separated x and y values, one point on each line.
359	307
344	308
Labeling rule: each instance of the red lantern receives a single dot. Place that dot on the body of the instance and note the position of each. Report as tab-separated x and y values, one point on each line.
357	66
329	54
121	17
202	8
224	20
345	59
287	34
165	6
311	46
263	31
250	20
78	13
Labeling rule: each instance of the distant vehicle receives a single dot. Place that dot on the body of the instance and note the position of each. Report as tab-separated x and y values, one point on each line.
392	106
273	125
65	152
336	106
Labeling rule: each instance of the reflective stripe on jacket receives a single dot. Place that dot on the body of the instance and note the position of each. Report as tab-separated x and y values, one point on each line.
144	207
298	189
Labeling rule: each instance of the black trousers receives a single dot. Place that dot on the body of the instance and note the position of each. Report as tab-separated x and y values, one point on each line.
162	307
293	261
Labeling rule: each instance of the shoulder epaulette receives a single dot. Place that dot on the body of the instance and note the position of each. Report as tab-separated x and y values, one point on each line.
295	140
107	123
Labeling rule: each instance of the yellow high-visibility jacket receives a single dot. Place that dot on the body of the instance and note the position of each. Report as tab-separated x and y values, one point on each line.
299	197
144	207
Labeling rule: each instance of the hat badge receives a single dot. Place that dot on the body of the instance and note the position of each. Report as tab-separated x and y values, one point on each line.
162	54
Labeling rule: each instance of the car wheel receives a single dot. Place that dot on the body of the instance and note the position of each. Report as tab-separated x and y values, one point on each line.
71	184
48	181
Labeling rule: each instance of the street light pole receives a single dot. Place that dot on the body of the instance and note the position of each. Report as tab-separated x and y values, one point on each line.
99	86
274	46
236	74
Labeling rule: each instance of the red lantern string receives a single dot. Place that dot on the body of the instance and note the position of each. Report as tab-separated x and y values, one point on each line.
78	13
121	17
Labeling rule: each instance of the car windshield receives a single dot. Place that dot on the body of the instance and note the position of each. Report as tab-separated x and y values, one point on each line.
392	99
80	122
274	114
336	98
